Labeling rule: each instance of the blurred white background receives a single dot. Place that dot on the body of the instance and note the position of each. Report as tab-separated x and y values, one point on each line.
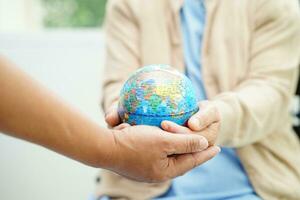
68	61
60	43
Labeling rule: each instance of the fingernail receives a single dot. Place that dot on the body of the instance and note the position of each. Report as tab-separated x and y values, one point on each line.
218	149
164	125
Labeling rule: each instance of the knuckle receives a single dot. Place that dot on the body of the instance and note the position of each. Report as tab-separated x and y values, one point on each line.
192	145
187	146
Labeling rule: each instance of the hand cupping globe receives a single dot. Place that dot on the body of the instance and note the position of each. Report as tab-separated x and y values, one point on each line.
156	93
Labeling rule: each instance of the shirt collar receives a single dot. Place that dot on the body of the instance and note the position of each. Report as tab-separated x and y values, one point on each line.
176	4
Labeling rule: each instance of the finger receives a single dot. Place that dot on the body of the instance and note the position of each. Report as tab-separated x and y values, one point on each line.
186	162
206	115
112	117
211	133
185	143
121	126
174	128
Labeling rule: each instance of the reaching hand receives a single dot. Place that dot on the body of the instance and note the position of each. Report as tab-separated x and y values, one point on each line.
154	155
164	155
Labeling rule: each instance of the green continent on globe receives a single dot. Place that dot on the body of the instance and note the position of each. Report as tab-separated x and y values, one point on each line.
155	93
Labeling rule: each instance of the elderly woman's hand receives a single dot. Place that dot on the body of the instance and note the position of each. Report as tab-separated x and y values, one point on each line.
205	122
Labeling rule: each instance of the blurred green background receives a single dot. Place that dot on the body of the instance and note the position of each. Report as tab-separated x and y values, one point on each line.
73	13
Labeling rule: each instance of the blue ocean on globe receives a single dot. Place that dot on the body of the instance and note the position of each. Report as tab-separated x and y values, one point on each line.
156	93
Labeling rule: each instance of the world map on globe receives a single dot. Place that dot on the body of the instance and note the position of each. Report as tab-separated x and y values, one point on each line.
156	93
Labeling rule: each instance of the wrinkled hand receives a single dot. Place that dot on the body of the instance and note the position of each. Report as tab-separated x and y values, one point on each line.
154	155
206	122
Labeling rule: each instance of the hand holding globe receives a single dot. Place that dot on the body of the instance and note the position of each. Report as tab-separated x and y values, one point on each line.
158	95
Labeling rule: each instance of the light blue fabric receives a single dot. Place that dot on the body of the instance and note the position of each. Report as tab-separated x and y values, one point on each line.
222	177
193	24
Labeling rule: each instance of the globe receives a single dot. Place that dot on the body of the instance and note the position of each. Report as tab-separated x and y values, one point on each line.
156	93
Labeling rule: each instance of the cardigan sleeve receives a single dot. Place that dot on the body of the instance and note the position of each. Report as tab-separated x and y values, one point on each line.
260	104
122	49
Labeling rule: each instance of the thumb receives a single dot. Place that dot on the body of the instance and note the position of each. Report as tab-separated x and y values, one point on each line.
206	115
174	128
112	117
185	143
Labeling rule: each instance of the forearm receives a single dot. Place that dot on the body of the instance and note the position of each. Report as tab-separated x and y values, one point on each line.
254	110
259	104
31	112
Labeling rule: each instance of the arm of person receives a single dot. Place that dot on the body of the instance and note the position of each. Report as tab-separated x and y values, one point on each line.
256	106
123	57
122	49
31	112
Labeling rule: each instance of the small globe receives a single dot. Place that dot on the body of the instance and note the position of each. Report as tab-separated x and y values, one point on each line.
156	93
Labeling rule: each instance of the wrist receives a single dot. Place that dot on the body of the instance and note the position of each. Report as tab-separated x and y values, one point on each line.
108	150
